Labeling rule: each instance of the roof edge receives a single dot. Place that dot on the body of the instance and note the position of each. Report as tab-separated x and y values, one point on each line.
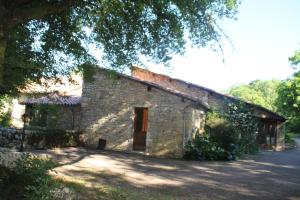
280	117
157	87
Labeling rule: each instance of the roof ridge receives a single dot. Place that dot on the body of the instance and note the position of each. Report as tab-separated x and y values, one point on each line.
210	90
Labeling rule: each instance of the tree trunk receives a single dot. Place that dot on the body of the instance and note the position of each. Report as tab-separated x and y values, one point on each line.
3	44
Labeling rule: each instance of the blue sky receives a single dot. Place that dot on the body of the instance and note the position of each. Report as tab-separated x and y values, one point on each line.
265	34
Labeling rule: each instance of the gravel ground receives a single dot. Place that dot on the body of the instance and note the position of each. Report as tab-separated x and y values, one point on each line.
268	175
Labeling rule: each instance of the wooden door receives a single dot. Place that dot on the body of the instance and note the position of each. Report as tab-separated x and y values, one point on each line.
140	128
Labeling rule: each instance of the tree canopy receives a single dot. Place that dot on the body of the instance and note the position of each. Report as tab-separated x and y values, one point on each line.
288	101
40	38
263	93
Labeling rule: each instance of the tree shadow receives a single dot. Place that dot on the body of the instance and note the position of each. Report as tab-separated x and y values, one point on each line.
270	174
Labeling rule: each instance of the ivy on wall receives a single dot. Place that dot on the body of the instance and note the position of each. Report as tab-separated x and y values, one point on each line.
245	124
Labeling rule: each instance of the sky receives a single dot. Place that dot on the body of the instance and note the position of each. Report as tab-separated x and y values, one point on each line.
264	35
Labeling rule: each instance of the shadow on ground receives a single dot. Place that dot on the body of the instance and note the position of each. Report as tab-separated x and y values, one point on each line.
268	175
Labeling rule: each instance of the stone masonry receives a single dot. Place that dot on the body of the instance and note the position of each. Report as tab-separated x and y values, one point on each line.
108	113
211	99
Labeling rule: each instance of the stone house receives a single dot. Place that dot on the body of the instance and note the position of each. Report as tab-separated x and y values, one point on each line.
146	112
135	115
271	133
53	112
62	96
156	114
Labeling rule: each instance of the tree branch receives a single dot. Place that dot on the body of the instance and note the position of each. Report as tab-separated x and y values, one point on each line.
37	11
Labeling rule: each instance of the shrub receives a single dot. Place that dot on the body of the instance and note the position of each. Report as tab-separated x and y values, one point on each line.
289	139
221	131
202	147
29	179
5	110
228	135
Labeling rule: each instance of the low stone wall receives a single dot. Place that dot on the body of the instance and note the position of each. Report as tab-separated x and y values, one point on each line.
10	138
38	139
9	156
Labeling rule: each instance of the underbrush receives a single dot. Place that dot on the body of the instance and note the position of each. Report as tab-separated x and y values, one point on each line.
226	136
203	147
28	179
289	139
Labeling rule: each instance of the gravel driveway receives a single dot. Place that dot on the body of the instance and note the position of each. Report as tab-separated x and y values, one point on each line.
269	175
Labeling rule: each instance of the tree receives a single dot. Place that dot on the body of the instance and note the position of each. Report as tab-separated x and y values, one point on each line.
295	59
40	38
288	100
263	93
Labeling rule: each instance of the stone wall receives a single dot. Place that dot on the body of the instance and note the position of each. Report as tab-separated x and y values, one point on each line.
108	113
280	142
17	111
8	157
194	120
10	137
213	100
174	84
38	139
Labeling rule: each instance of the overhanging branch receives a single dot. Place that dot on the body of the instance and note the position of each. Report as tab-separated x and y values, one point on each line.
37	11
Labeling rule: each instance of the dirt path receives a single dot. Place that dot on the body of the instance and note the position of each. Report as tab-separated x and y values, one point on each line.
269	175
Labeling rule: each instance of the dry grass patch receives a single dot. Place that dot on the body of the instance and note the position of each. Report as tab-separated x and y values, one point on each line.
91	185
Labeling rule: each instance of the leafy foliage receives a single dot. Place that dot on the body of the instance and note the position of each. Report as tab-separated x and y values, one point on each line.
288	101
204	148
43	115
289	139
29	179
227	135
51	38
295	59
263	93
5	110
221	131
245	124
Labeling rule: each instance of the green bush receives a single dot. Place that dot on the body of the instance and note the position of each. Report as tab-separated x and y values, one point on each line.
202	147
5	119
293	124
228	135
5	110
221	131
289	138
29	179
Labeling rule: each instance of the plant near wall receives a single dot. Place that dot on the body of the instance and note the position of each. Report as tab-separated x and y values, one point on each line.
5	110
228	134
245	125
43	115
202	147
28	179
